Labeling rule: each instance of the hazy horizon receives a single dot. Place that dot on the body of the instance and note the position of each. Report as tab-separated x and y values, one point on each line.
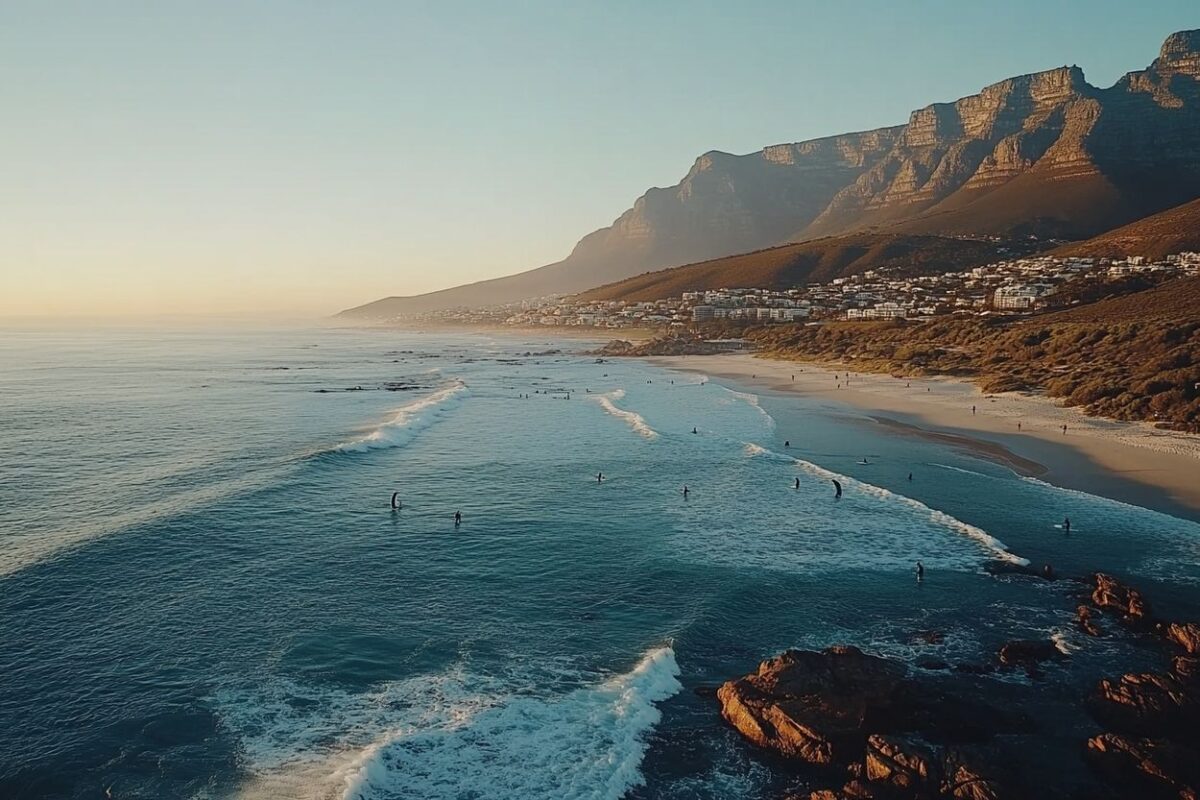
296	160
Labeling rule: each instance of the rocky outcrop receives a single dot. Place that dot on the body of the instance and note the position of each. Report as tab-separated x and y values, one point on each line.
1146	768
1028	653
813	706
1147	703
1185	634
1115	597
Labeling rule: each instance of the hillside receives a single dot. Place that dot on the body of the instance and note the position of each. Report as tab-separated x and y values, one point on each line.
1172	231
797	264
1175	300
1045	154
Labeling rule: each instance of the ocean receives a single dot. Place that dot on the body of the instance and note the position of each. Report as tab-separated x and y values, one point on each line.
205	592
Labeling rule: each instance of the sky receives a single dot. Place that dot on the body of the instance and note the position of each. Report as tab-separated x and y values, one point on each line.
297	158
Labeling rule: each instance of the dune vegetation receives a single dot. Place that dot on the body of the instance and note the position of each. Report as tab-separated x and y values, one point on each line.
1131	358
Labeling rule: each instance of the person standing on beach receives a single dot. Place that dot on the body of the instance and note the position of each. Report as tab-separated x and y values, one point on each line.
1018	426
972	409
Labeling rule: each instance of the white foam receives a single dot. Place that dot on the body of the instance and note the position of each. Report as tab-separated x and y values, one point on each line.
635	421
408	420
994	545
432	737
752	399
960	469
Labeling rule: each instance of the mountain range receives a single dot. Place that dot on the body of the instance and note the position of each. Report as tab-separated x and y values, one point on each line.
1043	155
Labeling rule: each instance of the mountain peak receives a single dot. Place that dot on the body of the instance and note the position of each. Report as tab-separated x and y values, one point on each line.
1180	53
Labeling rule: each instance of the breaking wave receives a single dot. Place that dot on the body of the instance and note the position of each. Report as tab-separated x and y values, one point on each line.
631	418
752	400
997	547
434	737
408	420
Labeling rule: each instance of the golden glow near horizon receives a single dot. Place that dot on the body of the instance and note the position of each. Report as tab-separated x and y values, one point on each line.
302	158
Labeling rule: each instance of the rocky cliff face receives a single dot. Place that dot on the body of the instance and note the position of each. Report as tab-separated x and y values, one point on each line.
1045	154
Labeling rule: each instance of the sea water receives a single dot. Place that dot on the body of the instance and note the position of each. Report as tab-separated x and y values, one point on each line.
205	591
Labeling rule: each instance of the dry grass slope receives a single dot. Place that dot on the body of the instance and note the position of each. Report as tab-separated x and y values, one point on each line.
1133	358
797	264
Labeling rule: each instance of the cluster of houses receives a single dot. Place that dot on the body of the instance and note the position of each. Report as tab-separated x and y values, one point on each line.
1015	286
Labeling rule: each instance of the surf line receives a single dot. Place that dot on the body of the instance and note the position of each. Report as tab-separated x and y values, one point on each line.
997	547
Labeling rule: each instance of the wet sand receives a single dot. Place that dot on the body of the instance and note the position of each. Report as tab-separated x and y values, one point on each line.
1131	462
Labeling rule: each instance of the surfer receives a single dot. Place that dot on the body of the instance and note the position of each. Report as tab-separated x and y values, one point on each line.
797	483
694	430
396	504
599	477
920	572
837	487
685	492
864	460
1066	524
788	443
457	518
910	476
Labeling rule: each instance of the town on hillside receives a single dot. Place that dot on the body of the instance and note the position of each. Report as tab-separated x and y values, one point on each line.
1005	287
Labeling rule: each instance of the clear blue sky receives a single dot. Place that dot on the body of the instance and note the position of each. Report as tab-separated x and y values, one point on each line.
305	156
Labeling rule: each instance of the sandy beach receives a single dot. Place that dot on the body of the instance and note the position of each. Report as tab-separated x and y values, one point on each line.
1131	462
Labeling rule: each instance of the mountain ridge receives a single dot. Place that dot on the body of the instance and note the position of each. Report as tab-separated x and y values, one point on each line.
1042	154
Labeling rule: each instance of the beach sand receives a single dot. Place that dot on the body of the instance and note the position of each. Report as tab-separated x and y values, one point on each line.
1131	462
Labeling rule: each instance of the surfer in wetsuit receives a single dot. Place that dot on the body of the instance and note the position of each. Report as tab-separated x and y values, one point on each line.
1066	524
457	518
788	443
920	571
685	491
396	504
837	489
910	476
599	477
694	430
797	483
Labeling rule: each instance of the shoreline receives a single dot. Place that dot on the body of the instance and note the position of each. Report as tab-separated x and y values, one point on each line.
1128	462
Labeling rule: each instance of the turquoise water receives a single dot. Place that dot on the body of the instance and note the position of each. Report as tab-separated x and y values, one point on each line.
206	594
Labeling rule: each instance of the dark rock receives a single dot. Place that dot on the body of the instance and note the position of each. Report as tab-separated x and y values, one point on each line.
1147	704
1110	594
1028	652
1146	768
902	764
706	691
1186	635
968	775
1087	622
929	637
812	705
1186	669
930	663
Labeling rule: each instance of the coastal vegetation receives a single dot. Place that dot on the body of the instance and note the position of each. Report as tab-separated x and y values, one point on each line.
1129	358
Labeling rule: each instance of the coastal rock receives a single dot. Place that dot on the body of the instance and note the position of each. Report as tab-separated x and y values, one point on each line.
1186	669
812	705
1147	703
902	764
1086	621
968	775
1028	652
1146	768
1110	594
1186	635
